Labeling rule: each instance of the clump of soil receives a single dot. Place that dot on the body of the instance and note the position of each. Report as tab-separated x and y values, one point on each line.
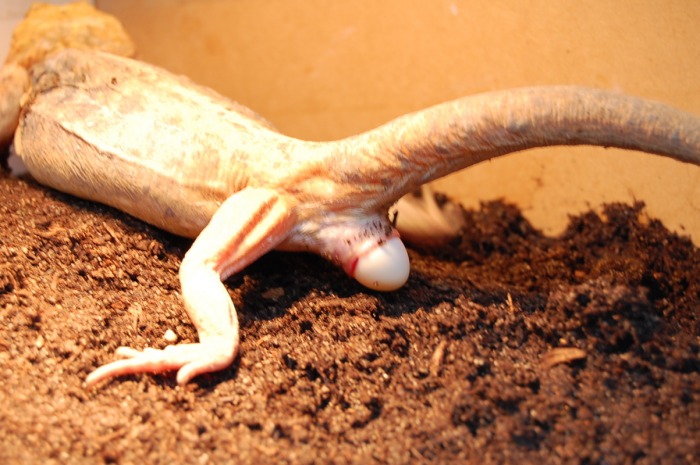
505	347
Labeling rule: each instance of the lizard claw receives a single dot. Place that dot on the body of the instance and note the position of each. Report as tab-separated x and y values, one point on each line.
189	359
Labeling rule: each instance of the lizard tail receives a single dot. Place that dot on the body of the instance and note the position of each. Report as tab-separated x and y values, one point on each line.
423	146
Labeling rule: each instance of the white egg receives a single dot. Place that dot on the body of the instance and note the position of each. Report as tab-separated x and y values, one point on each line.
385	267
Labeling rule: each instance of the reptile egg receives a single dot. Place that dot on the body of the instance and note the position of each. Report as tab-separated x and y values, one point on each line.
385	267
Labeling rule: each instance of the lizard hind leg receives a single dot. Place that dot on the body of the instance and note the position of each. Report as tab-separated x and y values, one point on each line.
423	222
248	224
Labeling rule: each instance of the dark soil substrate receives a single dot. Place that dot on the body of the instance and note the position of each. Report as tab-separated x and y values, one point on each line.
506	347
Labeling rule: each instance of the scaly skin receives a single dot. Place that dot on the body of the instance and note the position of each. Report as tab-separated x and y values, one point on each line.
187	160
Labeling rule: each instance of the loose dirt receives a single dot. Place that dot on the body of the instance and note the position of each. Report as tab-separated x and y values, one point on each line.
504	347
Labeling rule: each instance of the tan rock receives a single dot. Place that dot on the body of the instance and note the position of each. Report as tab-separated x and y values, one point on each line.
48	28
45	30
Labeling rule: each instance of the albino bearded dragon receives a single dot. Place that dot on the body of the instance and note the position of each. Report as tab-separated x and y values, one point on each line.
192	162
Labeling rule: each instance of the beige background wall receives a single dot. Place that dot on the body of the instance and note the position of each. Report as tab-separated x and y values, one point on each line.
323	69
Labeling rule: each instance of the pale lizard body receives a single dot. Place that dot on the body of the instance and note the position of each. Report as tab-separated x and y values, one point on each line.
187	160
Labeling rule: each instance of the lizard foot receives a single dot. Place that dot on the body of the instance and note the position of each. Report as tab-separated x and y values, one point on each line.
189	359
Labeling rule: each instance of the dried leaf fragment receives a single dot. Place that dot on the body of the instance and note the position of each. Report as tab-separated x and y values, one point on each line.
562	355
437	359
49	28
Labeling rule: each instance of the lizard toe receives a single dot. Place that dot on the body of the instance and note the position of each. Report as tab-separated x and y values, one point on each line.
190	360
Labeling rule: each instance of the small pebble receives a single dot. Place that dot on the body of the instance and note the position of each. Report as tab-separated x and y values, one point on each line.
170	336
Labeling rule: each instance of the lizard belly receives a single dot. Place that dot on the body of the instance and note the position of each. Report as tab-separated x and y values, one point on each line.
59	159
